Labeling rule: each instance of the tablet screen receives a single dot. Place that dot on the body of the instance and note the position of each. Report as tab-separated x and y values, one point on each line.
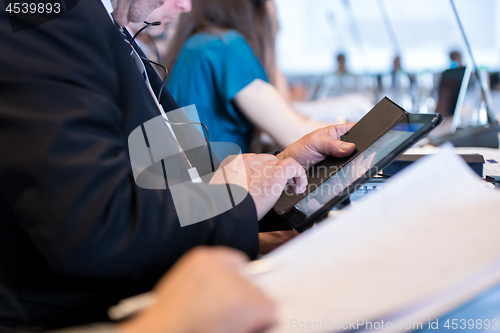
357	167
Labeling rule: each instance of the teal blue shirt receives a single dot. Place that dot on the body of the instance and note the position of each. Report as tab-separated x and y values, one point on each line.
209	72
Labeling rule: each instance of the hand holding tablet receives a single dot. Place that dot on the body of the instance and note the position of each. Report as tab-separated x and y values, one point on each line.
380	137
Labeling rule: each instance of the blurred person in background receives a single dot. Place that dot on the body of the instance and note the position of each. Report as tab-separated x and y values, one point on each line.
396	65
456	59
341	64
396	70
222	59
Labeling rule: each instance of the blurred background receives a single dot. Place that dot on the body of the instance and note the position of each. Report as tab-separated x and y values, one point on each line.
330	48
337	58
313	32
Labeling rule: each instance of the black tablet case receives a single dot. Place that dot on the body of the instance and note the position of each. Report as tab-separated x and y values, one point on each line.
369	129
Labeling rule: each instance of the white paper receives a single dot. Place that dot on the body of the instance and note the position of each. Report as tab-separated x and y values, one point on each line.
434	227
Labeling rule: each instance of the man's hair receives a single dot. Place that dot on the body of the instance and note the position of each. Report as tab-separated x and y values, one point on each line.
455	55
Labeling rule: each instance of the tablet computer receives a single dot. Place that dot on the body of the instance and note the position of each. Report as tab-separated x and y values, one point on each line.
362	166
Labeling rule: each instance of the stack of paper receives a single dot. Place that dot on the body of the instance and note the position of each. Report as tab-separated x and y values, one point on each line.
406	255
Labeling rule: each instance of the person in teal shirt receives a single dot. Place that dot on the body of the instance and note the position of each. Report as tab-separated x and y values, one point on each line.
222	60
219	66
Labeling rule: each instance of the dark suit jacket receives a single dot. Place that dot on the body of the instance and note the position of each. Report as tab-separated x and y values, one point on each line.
76	233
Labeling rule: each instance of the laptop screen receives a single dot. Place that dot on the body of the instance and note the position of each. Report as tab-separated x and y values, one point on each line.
449	90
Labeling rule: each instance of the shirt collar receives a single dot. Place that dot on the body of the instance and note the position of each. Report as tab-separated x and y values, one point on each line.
109	8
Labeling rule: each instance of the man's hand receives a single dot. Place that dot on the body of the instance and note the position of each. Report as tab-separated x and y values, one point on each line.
265	177
316	146
206	292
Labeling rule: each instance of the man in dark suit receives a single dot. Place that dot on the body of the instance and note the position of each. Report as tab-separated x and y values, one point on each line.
76	233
